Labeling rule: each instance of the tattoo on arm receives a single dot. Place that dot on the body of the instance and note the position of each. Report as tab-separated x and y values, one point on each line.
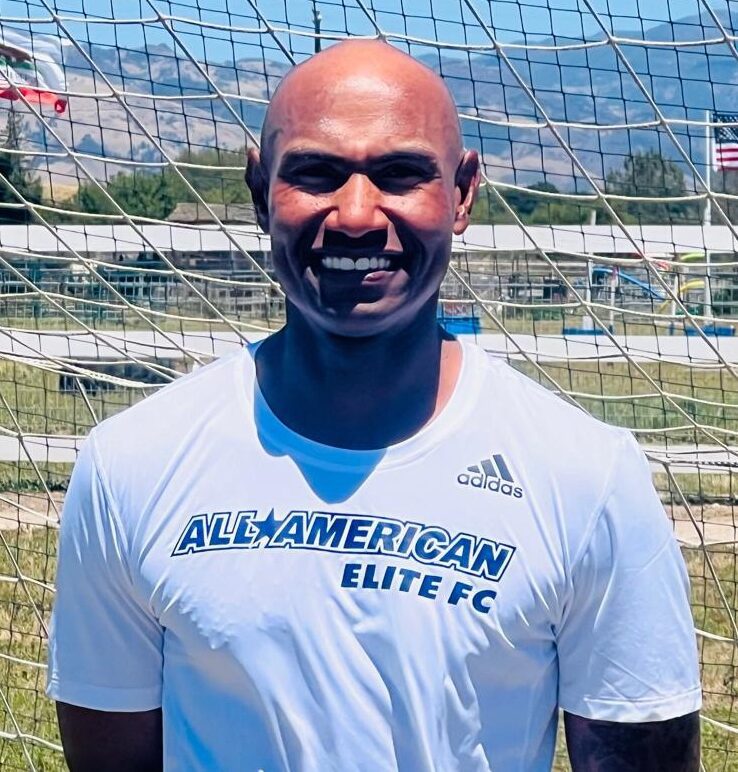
609	746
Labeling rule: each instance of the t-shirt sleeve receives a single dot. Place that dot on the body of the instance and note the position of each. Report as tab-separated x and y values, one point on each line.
626	643
105	646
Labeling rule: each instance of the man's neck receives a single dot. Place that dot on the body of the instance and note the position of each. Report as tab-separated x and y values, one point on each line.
358	393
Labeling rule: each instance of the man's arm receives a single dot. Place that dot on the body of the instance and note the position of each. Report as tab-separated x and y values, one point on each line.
105	643
609	746
96	740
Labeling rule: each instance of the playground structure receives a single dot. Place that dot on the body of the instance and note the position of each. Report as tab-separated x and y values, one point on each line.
620	275
615	277
681	289
682	292
690	289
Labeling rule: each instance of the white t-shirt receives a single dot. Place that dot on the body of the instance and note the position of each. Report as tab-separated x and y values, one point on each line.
428	606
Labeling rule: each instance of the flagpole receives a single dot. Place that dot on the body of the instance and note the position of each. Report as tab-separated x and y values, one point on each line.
708	209
708	172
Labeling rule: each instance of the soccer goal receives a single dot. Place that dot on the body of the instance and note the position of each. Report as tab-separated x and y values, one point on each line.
602	259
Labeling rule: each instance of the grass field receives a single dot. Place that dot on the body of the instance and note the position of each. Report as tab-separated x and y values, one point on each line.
613	391
129	320
22	651
618	394
34	400
24	709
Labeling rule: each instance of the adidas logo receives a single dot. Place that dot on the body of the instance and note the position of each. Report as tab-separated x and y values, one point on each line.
493	475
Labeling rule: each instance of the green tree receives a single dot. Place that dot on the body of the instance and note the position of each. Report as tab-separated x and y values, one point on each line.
559	212
140	194
526	203
216	183
532	209
15	172
156	194
649	175
488	209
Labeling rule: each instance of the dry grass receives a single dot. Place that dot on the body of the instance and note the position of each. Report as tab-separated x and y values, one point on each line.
615	392
22	637
24	607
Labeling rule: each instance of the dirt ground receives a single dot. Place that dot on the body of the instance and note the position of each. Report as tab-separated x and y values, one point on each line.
29	509
718	524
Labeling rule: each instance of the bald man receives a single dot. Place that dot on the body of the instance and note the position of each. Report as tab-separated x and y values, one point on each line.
362	544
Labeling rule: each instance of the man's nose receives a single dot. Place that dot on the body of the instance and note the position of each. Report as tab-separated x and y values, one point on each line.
356	207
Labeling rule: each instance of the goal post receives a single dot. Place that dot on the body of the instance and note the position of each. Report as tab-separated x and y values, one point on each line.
602	259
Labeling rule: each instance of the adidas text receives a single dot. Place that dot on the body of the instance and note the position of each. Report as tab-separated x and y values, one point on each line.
492	474
493	484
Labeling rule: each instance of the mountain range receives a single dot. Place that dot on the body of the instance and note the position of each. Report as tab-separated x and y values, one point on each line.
578	89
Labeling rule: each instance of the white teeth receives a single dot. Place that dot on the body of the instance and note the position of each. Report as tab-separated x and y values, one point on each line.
361	264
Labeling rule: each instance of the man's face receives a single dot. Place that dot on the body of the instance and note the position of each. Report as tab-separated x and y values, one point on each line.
362	201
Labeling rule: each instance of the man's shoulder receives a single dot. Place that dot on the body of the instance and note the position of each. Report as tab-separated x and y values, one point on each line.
571	448
569	461
163	420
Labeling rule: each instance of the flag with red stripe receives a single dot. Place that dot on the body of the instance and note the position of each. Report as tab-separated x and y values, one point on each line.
725	141
31	65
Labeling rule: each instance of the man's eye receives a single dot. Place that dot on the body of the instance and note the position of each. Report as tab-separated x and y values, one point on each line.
316	175
402	171
400	175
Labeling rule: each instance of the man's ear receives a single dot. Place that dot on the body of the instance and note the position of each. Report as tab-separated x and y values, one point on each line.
468	176
258	183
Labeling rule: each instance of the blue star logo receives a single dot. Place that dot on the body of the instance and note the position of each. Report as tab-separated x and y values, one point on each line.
266	527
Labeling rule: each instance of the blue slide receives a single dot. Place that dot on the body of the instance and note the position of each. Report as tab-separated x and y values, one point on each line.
647	288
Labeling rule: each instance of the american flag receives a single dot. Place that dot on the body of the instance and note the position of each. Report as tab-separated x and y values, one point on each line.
725	145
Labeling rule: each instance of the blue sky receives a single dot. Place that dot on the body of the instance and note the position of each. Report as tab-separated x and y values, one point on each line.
447	20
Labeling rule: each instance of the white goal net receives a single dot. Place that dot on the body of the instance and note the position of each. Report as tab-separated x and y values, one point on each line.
603	258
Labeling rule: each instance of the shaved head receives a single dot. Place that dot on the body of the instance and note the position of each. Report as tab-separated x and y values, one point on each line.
354	66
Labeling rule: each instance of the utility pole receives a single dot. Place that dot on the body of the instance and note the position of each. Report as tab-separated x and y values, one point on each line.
317	18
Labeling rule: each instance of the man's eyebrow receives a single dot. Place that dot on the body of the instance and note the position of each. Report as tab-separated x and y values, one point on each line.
410	156
294	157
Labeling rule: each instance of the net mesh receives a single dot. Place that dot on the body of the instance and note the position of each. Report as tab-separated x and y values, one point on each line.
602	258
